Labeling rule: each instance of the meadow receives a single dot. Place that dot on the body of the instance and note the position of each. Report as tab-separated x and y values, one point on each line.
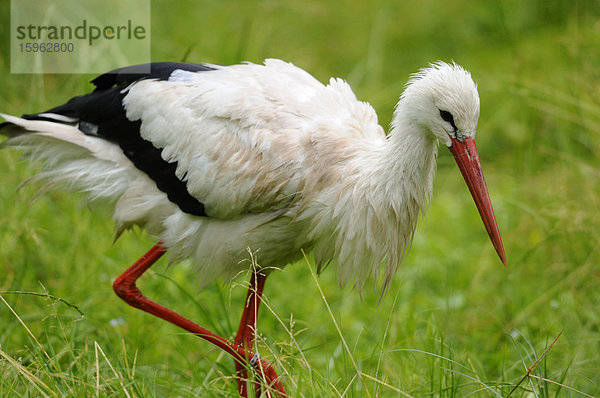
454	323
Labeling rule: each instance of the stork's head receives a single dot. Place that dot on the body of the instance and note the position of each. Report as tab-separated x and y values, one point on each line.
443	100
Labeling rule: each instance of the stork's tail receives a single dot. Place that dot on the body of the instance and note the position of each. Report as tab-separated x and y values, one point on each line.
41	127
81	162
9	129
54	138
71	158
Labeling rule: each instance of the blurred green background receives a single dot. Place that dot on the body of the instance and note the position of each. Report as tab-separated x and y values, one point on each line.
455	321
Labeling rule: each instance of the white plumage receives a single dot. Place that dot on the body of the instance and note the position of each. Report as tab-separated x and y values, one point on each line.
213	160
280	162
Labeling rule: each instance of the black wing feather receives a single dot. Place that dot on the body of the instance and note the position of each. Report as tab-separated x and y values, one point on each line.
123	77
101	114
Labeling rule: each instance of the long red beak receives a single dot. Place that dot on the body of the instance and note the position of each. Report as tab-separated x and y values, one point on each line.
467	159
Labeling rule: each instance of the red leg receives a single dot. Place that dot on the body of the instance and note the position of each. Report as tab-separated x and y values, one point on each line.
245	337
246	331
126	289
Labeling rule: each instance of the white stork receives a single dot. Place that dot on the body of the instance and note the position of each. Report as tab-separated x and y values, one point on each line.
212	160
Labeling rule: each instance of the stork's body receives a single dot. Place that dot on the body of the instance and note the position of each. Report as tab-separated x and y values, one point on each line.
214	160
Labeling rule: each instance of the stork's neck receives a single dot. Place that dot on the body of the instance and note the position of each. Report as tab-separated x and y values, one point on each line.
378	211
407	162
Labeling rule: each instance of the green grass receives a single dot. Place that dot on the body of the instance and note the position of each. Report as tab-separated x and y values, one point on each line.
455	322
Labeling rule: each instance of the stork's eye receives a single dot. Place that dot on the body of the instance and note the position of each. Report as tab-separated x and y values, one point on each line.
447	117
